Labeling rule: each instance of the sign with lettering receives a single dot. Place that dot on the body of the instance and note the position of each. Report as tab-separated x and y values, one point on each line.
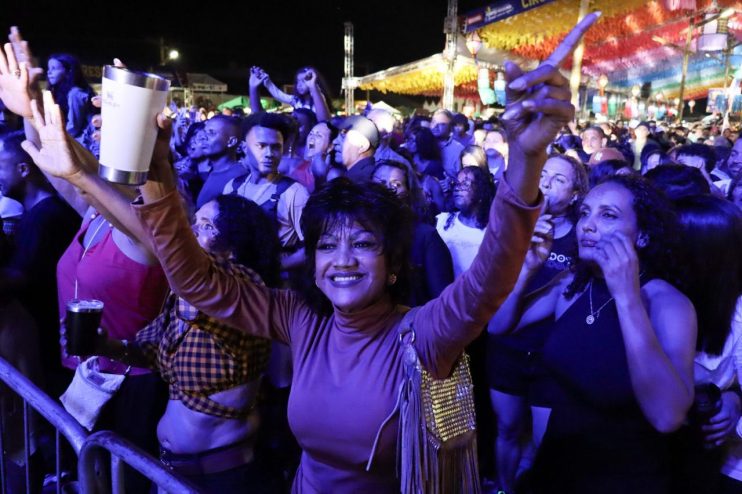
498	11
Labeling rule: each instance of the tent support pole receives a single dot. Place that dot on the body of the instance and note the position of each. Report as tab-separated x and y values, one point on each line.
574	80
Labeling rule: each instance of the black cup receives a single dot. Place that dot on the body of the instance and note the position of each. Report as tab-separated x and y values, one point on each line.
82	322
706	402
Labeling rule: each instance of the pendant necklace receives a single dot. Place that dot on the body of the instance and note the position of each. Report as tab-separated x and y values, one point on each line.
590	319
90	242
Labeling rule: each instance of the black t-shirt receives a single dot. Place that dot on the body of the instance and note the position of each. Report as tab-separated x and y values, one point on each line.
560	258
43	234
431	263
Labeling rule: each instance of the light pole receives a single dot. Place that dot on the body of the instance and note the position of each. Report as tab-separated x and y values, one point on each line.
451	29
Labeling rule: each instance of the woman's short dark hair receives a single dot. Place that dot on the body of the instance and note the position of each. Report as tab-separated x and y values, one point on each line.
656	219
712	240
678	181
247	231
605	169
341	202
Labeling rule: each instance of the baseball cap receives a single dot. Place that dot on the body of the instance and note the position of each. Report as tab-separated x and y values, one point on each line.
363	126
605	154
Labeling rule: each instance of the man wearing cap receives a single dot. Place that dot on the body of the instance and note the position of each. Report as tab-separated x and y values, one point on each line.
384	122
360	143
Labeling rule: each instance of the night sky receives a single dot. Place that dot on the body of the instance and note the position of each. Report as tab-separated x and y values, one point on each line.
225	38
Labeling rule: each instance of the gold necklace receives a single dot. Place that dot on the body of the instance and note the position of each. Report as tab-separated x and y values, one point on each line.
590	319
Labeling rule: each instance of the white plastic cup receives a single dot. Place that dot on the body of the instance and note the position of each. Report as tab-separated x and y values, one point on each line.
131	102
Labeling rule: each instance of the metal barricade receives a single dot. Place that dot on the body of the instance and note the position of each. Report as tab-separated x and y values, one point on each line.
48	408
122	450
88	448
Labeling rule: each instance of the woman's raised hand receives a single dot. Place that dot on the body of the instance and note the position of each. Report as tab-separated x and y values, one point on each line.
311	78
539	101
23	53
619	262
55	156
14	83
257	76
541	243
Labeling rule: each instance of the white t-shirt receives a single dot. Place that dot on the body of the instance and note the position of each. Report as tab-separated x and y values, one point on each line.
289	209
463	241
10	208
725	371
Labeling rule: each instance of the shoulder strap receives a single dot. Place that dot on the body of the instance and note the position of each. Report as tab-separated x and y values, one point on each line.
403	331
271	205
283	184
238	182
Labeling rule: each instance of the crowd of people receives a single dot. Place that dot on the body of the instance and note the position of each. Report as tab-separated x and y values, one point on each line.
253	288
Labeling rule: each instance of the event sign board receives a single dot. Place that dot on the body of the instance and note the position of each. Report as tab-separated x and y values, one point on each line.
498	11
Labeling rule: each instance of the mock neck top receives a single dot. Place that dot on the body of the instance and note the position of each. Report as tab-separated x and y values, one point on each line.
347	366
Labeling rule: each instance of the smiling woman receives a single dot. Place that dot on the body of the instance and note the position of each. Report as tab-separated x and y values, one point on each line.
344	332
353	254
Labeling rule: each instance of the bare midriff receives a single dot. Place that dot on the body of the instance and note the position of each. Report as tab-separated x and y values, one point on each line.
185	431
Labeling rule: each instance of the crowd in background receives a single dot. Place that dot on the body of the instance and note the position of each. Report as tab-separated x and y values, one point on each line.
556	366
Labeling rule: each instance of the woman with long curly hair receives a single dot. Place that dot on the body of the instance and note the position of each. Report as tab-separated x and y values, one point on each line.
463	229
620	350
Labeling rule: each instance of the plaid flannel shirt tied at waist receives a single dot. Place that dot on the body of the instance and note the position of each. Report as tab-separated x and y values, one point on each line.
198	355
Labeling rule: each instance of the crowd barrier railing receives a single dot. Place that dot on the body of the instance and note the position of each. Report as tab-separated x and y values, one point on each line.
121	449
45	406
91	449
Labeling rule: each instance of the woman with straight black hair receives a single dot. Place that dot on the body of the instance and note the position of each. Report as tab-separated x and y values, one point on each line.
711	452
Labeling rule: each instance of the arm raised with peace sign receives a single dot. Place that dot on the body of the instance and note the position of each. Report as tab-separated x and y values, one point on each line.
538	107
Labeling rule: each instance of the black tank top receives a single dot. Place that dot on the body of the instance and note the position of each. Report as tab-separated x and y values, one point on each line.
597	439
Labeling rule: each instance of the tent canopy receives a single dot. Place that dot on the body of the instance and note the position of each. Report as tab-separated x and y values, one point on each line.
425	76
622	44
204	83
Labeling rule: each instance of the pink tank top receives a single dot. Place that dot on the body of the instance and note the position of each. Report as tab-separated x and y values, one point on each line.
132	293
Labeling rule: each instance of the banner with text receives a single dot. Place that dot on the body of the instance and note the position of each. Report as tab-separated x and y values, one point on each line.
498	11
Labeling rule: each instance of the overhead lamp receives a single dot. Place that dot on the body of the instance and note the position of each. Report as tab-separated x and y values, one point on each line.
473	43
